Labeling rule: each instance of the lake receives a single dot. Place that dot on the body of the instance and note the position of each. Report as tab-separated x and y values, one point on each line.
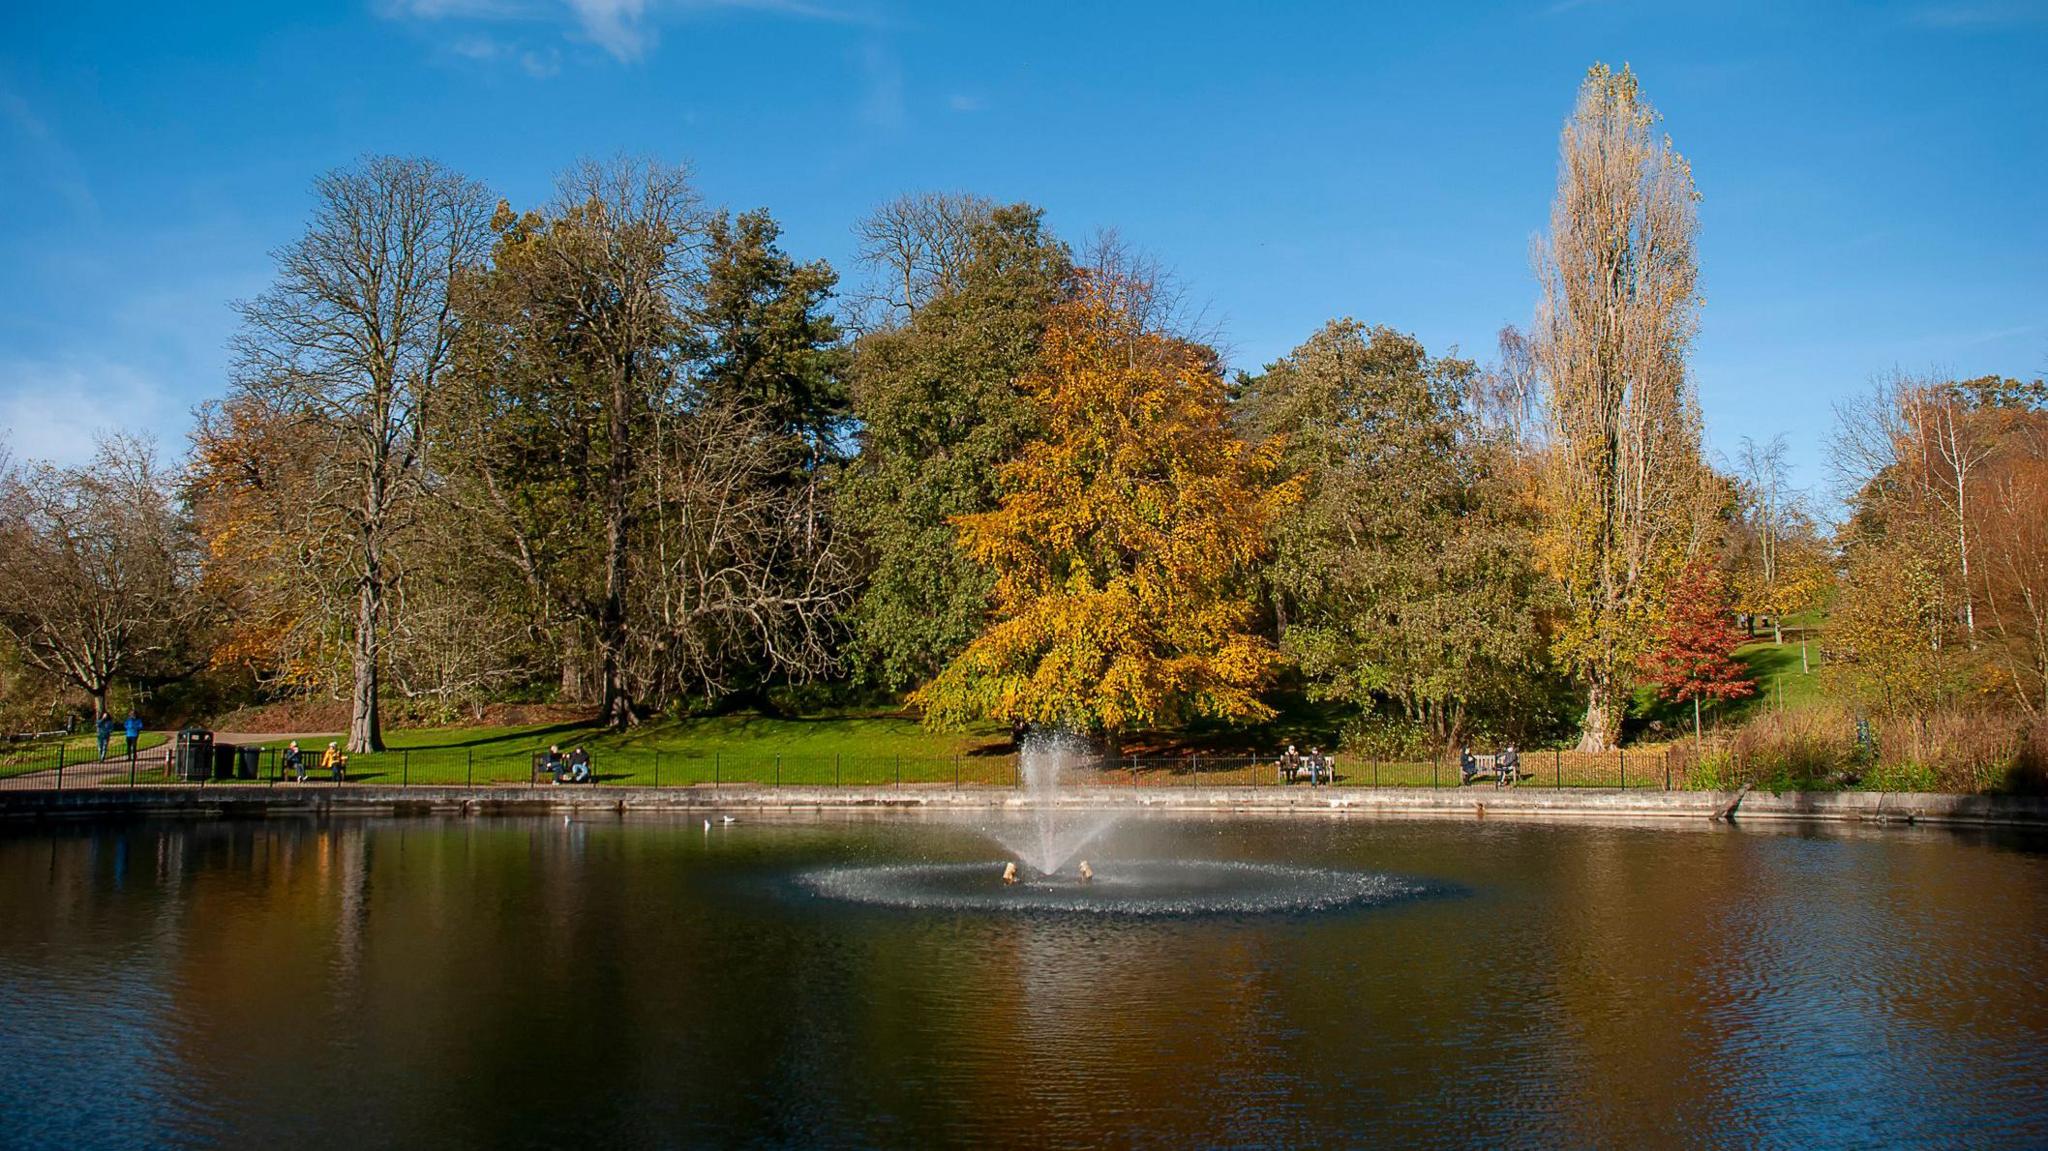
646	981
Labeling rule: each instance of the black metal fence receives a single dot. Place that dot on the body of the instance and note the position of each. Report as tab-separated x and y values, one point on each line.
60	767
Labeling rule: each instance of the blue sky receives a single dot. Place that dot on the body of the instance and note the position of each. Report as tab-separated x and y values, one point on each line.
1874	176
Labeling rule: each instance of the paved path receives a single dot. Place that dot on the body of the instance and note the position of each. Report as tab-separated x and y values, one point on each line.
148	767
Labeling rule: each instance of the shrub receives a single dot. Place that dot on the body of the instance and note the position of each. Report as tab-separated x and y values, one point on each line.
1805	749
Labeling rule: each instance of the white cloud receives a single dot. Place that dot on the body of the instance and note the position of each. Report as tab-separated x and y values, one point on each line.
52	163
882	104
615	26
53	409
625	29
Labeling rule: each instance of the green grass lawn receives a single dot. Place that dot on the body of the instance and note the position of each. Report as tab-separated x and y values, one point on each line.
850	749
42	754
867	750
1779	680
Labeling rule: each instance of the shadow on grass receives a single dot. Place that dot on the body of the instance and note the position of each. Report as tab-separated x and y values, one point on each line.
538	735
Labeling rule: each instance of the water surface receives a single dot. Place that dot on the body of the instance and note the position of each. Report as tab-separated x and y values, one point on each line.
501	982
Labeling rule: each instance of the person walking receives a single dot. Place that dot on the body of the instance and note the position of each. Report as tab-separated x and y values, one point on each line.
295	761
105	731
133	729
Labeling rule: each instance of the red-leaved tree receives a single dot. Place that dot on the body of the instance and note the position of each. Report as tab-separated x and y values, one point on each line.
1694	653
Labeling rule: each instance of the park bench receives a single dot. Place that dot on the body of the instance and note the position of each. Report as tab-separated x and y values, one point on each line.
1488	767
1315	769
560	770
311	761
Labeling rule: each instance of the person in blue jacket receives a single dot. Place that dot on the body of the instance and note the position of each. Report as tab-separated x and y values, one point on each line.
105	731
133	729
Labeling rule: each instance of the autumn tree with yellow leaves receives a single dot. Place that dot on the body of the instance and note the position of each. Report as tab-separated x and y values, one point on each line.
1124	542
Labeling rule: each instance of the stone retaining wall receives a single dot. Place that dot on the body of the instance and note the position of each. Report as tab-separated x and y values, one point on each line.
1570	803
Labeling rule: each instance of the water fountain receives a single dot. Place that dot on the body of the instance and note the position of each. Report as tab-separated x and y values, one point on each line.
1047	836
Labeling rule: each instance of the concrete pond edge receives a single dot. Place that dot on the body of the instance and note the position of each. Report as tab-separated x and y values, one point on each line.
1903	808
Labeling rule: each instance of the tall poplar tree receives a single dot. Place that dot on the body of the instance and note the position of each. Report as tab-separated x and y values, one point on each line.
1624	477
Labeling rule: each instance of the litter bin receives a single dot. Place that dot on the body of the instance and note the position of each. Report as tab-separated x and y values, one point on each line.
192	755
224	760
248	762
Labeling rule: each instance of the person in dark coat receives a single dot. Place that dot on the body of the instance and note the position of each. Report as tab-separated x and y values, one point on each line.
105	731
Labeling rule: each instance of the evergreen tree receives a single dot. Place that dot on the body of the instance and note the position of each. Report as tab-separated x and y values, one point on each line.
935	393
764	340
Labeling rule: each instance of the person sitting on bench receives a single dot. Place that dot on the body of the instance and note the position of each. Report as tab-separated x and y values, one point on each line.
553	764
579	766
1467	765
333	761
1510	767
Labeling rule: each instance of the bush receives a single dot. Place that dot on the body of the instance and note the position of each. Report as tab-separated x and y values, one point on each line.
1822	747
1965	751
1805	749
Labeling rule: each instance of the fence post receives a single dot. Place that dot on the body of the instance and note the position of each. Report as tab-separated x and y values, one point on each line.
657	768
1198	768
1667	769
1558	752
836	756
1624	766
405	768
717	770
956	771
131	771
60	765
899	769
469	767
778	772
1434	756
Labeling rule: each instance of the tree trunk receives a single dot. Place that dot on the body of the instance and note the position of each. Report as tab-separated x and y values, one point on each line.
1603	720
616	709
365	727
575	684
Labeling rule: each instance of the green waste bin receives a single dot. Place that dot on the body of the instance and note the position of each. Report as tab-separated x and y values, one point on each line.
192	755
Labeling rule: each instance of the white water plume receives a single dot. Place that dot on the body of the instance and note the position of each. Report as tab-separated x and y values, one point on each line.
1045	836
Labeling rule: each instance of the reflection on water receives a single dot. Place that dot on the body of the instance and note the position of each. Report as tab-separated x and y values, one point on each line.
500	982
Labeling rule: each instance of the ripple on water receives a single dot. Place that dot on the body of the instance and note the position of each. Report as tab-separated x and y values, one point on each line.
1125	888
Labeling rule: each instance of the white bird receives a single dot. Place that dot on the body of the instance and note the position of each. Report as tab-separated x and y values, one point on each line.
729	819
707	825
